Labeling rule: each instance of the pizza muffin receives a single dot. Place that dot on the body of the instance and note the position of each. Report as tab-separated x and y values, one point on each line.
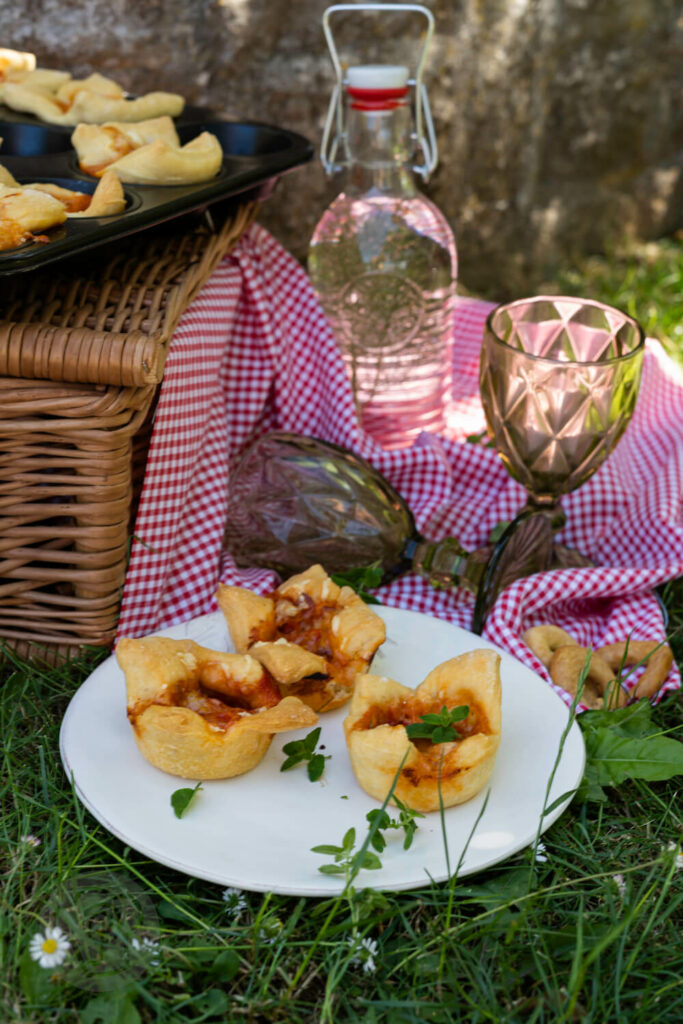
313	636
202	714
146	152
28	210
379	746
56	97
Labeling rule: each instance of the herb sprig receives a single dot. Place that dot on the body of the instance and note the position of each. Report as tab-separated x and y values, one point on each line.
304	750
361	580
439	728
345	859
405	821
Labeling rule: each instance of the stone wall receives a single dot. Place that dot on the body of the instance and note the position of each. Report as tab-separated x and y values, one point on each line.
559	121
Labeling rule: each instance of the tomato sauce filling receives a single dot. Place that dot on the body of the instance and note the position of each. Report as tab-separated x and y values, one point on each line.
219	710
310	628
121	146
408	710
76	203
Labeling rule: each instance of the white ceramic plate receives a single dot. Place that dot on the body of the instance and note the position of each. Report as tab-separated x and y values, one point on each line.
256	831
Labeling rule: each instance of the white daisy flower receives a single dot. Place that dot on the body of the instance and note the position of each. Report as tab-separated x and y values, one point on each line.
30	839
364	952
620	883
540	853
51	948
236	900
148	947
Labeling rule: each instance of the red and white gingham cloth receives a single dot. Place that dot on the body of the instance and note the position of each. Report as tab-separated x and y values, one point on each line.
254	353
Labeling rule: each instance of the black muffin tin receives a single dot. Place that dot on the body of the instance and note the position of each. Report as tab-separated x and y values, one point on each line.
255	155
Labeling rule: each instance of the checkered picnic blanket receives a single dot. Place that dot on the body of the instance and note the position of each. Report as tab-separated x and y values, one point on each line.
254	353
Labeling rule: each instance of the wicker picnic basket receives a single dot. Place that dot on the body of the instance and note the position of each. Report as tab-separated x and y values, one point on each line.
82	352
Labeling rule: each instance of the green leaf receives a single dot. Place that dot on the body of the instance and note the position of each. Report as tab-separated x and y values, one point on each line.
331	851
503	888
349	840
410	828
370	861
368	903
34	979
303	750
378	841
617	758
182	798
294	748
112	1008
310	741
361	580
382	818
633	720
316	766
625	744
225	966
332	869
212	1003
589	788
439	728
407	811
173	913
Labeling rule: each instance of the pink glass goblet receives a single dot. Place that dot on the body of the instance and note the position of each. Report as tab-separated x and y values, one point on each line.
559	379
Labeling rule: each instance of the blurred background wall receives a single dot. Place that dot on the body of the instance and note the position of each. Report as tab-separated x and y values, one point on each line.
560	122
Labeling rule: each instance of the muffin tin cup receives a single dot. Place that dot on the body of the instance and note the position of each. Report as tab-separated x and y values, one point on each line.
254	157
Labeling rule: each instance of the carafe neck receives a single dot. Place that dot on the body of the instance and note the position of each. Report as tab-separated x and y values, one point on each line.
379	141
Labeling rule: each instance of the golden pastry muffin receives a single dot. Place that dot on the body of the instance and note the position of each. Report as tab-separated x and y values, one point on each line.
57	98
202	714
147	153
313	636
377	741
26	210
99	145
15	63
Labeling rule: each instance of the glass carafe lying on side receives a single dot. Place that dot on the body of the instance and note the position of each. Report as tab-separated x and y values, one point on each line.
297	500
558	378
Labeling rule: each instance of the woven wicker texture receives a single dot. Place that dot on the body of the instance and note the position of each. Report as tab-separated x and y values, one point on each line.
82	352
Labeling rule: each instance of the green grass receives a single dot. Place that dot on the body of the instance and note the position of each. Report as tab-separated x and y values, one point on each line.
645	280
588	935
592	934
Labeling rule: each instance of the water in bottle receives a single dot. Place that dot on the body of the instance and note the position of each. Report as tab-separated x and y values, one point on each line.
383	262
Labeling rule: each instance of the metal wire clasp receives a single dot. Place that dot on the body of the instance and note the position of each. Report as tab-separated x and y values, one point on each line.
334	132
